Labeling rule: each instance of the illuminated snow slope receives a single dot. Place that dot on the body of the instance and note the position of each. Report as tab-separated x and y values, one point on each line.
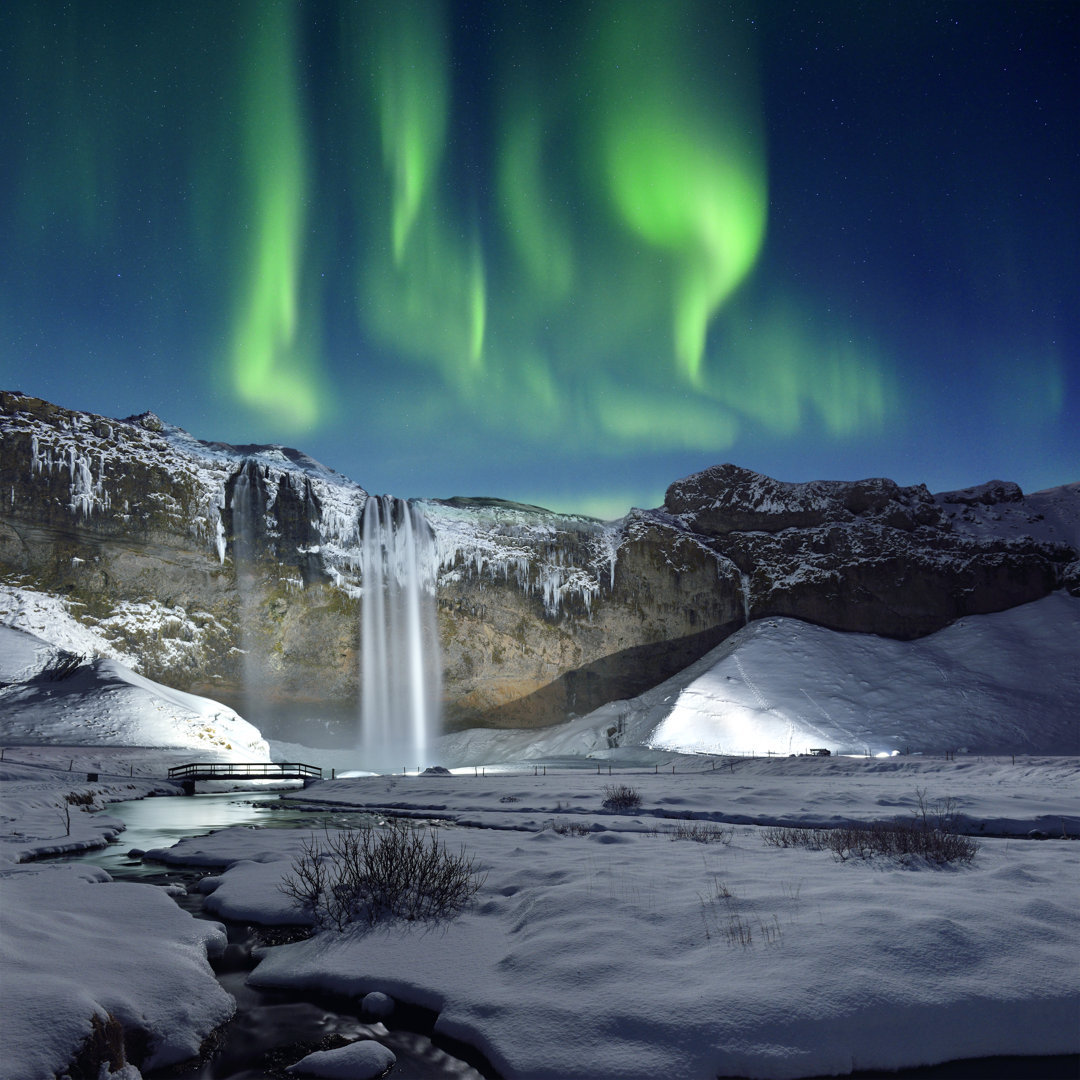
1002	683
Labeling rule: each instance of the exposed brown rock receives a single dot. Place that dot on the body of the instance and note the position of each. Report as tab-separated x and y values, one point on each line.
541	615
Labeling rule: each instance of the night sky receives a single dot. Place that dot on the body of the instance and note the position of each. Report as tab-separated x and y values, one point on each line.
563	253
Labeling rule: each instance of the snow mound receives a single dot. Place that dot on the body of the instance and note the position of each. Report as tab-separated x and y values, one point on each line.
103	702
363	1060
1001	683
67	974
1004	683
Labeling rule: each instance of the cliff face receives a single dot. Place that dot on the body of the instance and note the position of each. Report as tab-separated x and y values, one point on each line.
225	567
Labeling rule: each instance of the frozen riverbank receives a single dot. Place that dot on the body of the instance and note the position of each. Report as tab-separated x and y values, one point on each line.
604	945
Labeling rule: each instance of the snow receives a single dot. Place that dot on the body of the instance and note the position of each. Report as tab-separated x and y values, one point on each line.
613	949
363	1060
49	617
65	966
1007	682
620	951
105	703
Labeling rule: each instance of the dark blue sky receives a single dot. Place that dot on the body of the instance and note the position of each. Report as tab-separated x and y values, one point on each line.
562	253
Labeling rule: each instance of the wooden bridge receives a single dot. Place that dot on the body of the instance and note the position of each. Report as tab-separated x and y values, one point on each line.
187	775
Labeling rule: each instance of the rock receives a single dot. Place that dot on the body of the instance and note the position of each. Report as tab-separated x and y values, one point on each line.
363	1060
727	498
376	1005
994	491
541	616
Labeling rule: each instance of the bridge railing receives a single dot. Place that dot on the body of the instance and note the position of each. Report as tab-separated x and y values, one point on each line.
237	770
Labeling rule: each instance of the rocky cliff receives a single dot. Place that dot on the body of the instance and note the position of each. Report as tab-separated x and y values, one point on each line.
226	566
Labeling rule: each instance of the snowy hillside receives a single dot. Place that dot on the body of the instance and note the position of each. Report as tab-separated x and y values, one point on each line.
49	695
1002	683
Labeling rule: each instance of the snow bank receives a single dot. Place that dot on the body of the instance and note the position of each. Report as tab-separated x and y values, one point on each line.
617	951
1002	683
77	949
105	703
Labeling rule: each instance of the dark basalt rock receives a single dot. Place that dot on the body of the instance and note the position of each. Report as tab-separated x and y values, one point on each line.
727	498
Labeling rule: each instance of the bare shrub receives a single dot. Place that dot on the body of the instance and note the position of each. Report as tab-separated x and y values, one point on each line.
569	828
367	875
61	667
786	836
930	835
703	832
621	797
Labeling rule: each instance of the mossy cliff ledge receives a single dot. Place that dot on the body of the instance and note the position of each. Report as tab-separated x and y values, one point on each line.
136	525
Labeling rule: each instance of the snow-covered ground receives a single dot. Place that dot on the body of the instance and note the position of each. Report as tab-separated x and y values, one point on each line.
82	954
53	696
1002	683
79	953
601	945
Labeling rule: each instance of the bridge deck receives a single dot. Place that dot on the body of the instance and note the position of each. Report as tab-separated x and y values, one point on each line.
238	770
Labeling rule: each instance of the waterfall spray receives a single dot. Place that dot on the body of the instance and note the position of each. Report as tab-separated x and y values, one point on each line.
248	506
400	667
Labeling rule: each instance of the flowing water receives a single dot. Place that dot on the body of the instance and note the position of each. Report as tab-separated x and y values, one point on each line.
248	523
271	1029
400	670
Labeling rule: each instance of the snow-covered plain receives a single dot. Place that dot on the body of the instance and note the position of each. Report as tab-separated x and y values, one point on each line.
602	945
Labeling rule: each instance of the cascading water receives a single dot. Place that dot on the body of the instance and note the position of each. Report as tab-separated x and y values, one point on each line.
248	510
400	664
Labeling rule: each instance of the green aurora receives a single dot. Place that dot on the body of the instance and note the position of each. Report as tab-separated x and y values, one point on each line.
455	232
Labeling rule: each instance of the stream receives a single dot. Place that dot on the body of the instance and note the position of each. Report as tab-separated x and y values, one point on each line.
271	1029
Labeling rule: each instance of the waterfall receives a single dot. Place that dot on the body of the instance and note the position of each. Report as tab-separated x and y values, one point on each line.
745	580
400	666
248	506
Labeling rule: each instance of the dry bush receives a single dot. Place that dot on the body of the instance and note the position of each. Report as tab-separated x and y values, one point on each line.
61	667
368	875
703	832
621	797
932	834
569	828
787	836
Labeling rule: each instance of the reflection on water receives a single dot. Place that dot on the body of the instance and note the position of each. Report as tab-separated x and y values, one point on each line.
161	822
271	1030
